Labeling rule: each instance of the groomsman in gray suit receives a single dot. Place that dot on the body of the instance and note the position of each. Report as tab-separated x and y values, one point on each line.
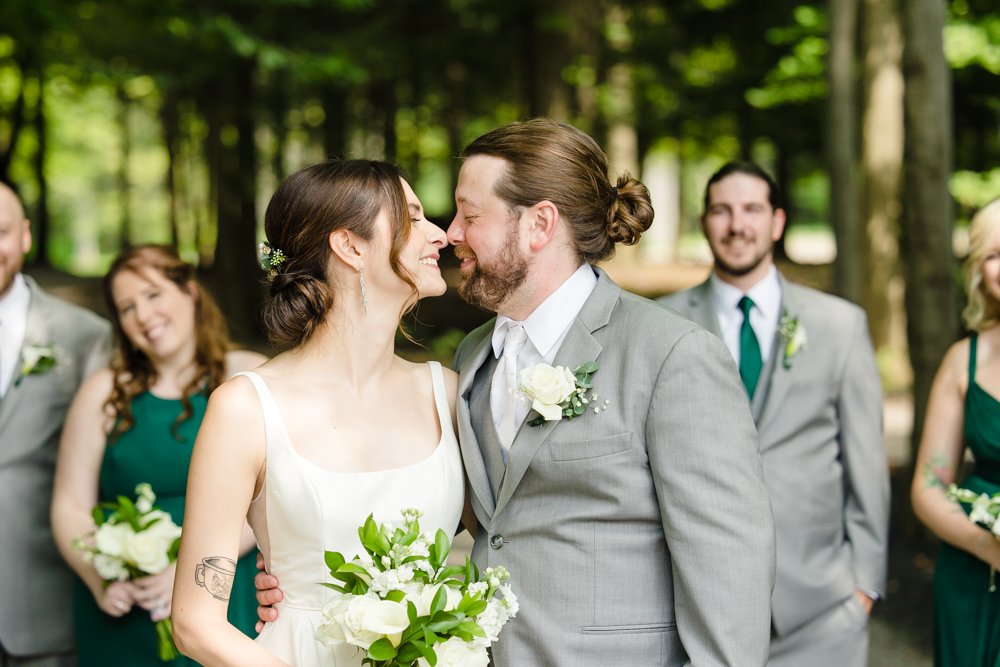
47	347
807	364
637	532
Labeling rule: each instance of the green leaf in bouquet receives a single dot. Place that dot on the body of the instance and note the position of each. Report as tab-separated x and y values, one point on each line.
382	650
425	650
443	545
440	601
174	550
411	614
408	653
450	573
472	628
99	516
395	595
474	607
333	559
352	568
442	622
586	368
578	410
335	587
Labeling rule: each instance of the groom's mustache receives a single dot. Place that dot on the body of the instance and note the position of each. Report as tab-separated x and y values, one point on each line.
463	252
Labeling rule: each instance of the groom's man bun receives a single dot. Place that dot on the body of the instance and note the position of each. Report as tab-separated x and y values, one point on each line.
549	160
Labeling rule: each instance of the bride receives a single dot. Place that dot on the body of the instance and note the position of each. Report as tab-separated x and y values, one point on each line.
331	430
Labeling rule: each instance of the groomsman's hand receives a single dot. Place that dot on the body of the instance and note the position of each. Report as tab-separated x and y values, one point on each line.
866	602
268	594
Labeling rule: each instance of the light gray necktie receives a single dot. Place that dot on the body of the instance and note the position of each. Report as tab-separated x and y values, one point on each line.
505	379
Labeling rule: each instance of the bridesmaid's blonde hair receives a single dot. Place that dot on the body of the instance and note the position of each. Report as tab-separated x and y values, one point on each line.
983	309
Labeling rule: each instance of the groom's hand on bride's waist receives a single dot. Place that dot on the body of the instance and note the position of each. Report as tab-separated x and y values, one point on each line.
268	594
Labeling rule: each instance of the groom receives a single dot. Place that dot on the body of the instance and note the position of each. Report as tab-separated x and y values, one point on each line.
639	534
636	533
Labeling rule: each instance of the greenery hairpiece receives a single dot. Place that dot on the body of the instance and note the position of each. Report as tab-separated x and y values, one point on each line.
270	259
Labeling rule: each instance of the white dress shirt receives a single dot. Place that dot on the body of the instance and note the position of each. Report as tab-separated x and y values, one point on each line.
764	316
546	327
13	323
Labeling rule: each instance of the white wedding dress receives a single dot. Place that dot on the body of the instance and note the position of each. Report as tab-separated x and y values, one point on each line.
304	510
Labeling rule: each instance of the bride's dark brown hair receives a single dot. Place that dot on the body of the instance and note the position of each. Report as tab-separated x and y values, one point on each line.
303	212
134	373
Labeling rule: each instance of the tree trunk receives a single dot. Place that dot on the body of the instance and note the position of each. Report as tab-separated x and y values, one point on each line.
235	272
124	193
170	122
42	221
882	163
929	268
335	124
841	144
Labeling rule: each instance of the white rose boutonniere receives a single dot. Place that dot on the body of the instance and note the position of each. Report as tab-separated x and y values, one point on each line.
556	392
793	334
36	359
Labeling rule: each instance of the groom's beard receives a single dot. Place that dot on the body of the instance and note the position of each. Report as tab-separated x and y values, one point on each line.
489	286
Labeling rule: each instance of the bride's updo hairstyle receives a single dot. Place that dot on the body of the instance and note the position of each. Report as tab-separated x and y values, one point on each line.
303	212
547	160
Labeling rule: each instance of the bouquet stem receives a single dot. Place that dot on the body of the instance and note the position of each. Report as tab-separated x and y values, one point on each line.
165	640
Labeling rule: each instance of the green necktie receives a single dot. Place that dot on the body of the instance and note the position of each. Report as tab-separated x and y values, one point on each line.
750	360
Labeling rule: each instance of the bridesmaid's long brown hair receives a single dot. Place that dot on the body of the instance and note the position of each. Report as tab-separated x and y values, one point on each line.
134	372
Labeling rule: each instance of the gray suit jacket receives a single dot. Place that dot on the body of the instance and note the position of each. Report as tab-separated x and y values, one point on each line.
641	535
819	419
36	611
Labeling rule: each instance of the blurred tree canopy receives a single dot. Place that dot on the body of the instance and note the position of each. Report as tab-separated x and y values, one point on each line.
172	121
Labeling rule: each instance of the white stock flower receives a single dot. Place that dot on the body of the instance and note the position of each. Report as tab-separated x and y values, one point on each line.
981	511
390	580
547	387
457	653
110	568
361	621
148	550
509	600
111	539
478	588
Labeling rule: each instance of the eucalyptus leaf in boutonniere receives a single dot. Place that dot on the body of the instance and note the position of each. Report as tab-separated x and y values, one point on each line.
793	335
557	393
36	360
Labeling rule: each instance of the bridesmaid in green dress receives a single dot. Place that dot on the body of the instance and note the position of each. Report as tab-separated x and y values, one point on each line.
964	412
136	422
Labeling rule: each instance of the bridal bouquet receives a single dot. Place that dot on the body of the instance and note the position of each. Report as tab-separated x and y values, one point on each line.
402	605
984	511
134	539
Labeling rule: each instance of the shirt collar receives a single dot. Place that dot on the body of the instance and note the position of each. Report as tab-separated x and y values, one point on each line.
14	304
547	323
765	294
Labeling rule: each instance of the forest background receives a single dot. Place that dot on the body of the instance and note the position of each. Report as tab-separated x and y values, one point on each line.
130	121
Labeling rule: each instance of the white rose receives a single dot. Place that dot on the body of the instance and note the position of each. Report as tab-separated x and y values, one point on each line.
110	568
331	629
148	550
457	653
547	387
165	527
368	619
110	539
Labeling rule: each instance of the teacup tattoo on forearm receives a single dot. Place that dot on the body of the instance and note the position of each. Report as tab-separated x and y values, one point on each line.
215	574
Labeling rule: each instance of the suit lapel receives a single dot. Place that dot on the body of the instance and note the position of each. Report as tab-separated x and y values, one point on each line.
579	346
776	379
702	311
36	333
472	455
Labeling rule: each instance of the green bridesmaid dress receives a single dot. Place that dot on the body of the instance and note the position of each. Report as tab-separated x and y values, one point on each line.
966	613
150	452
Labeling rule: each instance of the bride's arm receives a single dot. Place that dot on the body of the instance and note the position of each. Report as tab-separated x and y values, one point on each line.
227	462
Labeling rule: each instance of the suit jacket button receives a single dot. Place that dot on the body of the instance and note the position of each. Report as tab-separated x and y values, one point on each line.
496	541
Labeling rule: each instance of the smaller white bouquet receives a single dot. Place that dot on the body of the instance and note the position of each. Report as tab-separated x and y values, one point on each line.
134	539
405	607
984	511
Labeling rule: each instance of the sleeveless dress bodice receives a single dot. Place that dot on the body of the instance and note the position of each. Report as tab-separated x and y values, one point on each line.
966	613
303	510
156	450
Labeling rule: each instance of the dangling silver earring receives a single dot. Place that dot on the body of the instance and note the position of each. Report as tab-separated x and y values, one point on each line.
364	292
